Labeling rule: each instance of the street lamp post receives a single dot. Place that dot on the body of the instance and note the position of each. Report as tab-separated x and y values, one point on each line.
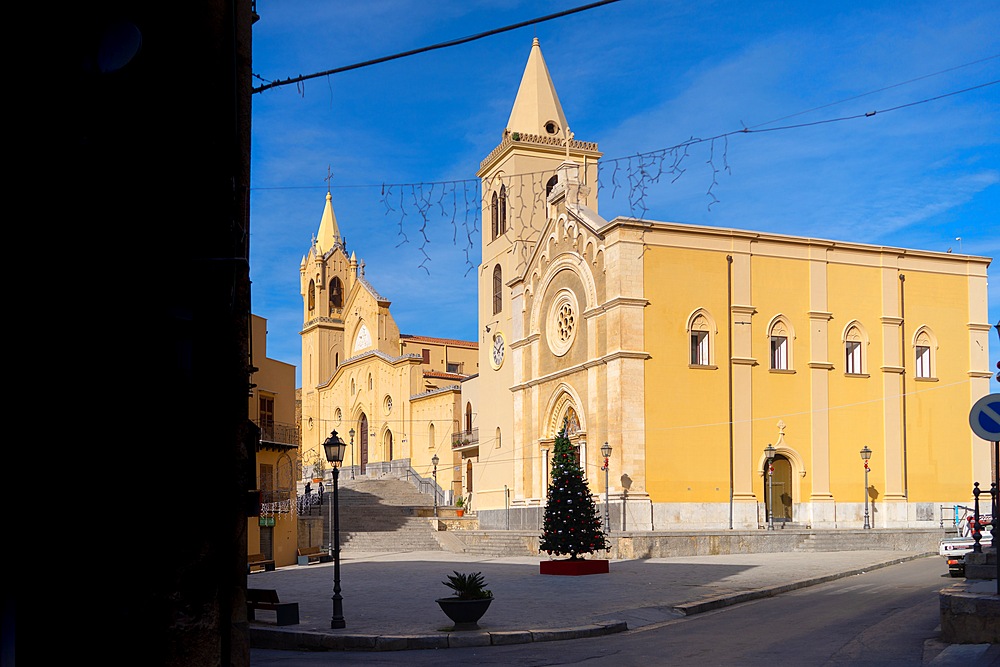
351	433
769	452
335	449
606	453
865	455
435	460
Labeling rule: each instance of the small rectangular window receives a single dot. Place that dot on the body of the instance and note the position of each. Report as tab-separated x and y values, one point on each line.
425	355
923	361
852	363
779	353
454	368
699	348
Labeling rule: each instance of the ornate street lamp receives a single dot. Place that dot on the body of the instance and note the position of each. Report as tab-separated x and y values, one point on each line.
606	453
769	452
335	449
865	455
351	433
435	460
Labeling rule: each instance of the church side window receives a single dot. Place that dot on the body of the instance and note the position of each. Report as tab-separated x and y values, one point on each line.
336	295
700	332
854	350
923	354
699	348
495	215
311	297
503	209
497	289
781	353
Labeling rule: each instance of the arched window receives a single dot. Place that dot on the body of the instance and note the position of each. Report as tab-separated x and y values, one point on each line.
336	294
503	209
352	386
311	297
468	417
854	348
430	437
924	353
497	289
495	215
369	382
498	439
549	184
700	332
781	345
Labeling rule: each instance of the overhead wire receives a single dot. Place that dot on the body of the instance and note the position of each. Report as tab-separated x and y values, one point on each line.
433	47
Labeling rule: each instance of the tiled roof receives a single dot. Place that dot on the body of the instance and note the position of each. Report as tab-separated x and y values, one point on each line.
440	341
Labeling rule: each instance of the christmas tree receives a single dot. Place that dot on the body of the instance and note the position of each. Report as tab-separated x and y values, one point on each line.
572	522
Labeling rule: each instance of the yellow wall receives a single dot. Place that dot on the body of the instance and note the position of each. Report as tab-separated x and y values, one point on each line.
687	431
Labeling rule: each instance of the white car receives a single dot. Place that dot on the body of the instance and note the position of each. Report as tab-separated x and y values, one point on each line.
953	549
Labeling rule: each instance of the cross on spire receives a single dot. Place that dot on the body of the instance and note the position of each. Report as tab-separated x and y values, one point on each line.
329	177
569	138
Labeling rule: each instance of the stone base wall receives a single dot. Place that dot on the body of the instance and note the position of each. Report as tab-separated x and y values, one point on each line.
643	544
643	515
970	615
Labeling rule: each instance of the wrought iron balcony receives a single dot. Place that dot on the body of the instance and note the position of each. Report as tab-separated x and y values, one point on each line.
272	433
465	440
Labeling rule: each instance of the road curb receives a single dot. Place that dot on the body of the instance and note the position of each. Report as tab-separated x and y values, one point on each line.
292	640
729	599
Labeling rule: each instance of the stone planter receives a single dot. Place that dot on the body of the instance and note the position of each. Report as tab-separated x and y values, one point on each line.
574	567
465	614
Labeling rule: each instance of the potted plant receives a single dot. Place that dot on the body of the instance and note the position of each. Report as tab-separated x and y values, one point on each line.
460	505
470	601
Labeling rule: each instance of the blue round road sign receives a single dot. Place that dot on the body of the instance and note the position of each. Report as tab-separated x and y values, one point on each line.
985	417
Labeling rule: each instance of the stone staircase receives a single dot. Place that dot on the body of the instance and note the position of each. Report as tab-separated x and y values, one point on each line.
841	540
383	515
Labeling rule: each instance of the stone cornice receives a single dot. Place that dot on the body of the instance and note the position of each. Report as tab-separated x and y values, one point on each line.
980	374
892	369
820	365
527	340
744	361
891	320
977	326
820	315
742	310
614	356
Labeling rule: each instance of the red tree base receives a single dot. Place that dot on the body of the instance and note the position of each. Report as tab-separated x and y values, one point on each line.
573	567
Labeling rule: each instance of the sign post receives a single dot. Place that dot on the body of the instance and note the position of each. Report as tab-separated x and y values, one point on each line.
984	418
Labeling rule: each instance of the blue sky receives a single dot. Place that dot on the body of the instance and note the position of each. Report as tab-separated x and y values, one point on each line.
636	76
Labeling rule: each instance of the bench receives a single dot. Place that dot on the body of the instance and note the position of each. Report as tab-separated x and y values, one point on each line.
257	563
267	599
308	555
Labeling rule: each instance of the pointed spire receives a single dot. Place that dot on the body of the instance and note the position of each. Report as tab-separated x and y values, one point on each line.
536	108
329	231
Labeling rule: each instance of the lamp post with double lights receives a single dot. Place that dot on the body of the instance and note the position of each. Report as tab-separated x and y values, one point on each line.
769	452
865	455
606	453
435	460
335	450
351	433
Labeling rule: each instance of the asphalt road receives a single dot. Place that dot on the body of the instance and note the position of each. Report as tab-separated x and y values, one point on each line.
887	617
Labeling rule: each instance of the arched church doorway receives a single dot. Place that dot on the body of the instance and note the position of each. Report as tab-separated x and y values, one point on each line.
364	442
388	445
781	486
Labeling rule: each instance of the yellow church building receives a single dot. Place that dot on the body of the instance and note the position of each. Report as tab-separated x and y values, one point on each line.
737	376
691	349
394	398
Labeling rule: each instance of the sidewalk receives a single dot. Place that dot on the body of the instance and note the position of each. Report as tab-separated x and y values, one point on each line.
389	599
